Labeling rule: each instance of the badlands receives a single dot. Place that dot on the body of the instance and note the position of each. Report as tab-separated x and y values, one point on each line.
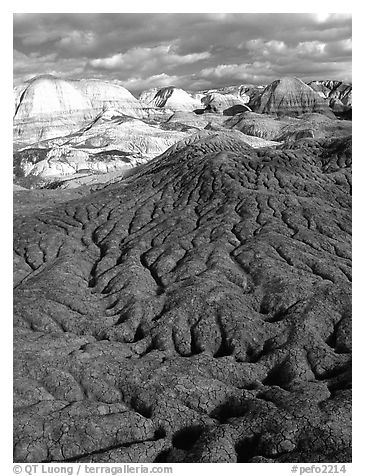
182	273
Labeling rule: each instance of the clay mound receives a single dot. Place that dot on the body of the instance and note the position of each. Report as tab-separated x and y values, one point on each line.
258	125
335	151
170	97
221	140
226	104
289	96
199	311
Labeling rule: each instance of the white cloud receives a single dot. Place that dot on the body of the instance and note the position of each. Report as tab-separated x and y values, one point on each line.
78	39
191	51
155	81
234	71
147	58
37	37
274	48
27	66
322	17
266	48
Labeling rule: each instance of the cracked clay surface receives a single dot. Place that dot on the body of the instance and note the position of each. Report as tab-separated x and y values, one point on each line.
199	311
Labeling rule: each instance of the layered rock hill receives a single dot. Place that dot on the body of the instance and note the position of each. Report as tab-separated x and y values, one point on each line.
49	107
170	97
199	311
291	97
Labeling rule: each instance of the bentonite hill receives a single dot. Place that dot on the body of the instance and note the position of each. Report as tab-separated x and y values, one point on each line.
182	273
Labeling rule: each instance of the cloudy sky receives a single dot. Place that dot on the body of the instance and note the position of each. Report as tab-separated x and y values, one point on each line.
192	51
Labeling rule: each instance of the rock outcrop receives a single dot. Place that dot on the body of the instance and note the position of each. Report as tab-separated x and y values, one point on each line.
199	311
290	97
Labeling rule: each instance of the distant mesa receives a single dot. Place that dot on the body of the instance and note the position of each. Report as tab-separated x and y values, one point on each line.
290	97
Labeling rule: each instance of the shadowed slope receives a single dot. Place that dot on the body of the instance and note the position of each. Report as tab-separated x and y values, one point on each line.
198	311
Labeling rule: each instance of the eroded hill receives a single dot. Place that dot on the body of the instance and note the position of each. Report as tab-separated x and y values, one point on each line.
199	311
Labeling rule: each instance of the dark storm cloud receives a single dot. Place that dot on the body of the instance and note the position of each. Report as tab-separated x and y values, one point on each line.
188	50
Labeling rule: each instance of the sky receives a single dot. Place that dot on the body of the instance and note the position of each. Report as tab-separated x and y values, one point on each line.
193	51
